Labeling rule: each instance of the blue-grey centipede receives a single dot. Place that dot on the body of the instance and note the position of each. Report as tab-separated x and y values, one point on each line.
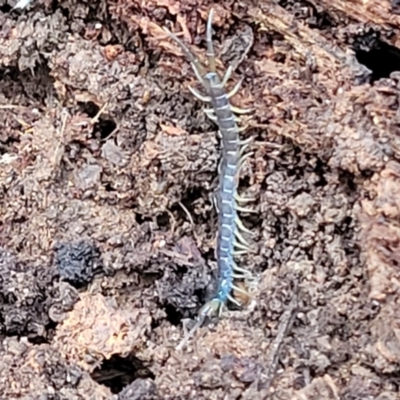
230	241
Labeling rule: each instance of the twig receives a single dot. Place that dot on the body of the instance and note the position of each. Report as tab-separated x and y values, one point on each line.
187	213
22	4
284	326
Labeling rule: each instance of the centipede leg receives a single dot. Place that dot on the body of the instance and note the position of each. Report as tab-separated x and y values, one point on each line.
238	269
241	111
233	300
210	114
240	290
241	246
235	89
242	162
243	158
214	200
210	47
198	95
220	310
241	276
240	252
242	239
245	142
241	199
227	75
245	209
240	225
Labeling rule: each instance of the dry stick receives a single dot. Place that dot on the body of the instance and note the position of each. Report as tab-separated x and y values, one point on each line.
284	326
11	107
187	213
59	151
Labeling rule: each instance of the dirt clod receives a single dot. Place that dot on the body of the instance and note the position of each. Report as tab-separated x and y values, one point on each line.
140	389
77	262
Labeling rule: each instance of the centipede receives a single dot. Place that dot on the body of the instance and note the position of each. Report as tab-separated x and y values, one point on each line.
230	241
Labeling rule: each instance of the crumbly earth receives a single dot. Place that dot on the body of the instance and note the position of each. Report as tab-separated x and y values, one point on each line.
107	229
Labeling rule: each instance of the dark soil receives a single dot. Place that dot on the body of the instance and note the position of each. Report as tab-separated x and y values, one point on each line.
107	229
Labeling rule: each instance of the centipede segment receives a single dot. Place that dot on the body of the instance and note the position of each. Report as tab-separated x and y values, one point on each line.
230	241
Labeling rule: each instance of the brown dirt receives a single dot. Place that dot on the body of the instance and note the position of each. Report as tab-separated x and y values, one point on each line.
107	230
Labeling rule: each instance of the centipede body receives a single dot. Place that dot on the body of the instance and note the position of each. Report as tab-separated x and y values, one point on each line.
229	238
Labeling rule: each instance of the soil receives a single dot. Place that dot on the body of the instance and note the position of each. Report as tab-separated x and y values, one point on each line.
108	167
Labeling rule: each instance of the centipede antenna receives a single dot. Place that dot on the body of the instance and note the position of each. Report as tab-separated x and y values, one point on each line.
210	46
196	65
